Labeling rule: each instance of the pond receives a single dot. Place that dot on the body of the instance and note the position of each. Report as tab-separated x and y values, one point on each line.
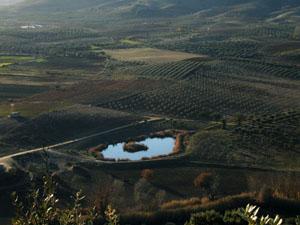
156	147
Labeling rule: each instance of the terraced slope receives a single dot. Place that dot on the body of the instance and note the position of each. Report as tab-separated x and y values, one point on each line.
208	98
178	70
278	129
196	68
269	140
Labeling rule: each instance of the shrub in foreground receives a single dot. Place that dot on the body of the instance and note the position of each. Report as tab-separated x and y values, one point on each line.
206	218
248	215
42	209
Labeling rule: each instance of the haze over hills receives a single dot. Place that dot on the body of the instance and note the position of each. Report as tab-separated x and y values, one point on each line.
9	2
254	9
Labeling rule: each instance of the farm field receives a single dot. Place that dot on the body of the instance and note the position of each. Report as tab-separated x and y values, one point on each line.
10	91
149	55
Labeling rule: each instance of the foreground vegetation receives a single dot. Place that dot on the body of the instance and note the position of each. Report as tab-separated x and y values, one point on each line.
43	208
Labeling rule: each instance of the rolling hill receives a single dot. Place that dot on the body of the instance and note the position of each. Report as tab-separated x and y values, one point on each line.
254	9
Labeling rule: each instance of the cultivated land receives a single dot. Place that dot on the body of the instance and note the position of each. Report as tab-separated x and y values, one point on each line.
148	55
120	70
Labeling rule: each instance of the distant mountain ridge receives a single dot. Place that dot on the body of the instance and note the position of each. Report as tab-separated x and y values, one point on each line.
158	8
9	2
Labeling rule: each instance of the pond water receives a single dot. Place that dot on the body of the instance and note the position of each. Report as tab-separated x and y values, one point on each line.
156	147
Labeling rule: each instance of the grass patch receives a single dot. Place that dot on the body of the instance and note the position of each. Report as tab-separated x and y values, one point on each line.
11	59
128	41
31	109
290	52
2	65
96	49
16	58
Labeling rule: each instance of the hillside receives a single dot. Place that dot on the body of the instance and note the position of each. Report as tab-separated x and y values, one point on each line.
112	9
